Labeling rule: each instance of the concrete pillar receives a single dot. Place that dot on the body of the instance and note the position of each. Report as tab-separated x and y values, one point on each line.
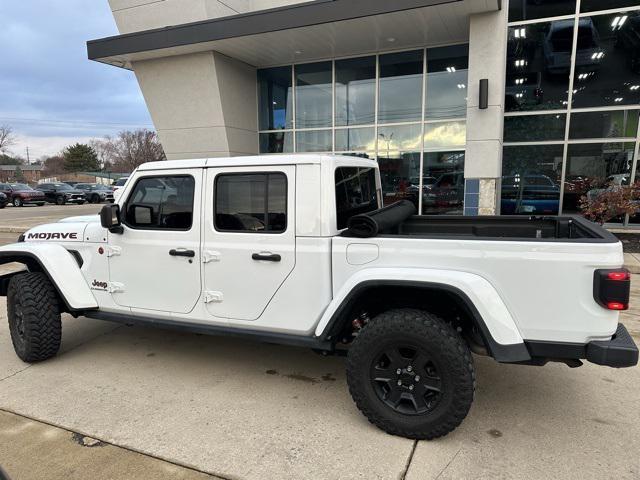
483	161
202	105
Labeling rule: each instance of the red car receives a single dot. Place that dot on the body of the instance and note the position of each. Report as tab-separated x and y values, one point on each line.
20	194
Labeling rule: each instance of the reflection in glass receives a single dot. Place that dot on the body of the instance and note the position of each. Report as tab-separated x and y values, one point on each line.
400	95
399	159
538	65
531	128
443	183
314	141
531	177
314	91
355	91
447	78
532	9
274	98
608	61
355	139
594	168
613	124
276	142
442	135
594	5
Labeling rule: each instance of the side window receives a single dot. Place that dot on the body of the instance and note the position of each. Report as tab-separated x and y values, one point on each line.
161	203
355	193
254	202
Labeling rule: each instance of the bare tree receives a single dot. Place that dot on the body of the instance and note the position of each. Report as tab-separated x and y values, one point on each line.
129	149
7	137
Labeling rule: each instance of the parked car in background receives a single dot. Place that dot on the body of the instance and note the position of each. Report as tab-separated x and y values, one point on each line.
96	192
117	186
61	193
3	200
529	194
20	194
71	183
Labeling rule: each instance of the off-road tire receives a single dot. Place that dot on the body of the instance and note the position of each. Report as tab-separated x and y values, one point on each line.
34	317
442	344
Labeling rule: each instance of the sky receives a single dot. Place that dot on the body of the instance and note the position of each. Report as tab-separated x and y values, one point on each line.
50	93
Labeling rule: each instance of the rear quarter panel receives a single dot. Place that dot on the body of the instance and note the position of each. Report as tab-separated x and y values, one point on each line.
547	287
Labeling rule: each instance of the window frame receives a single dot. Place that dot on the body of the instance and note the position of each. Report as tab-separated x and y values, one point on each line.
125	205
266	198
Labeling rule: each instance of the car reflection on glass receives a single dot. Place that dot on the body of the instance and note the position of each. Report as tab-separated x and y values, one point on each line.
446	195
558	42
529	194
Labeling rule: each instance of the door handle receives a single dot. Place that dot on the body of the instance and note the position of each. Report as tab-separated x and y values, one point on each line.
267	257
181	252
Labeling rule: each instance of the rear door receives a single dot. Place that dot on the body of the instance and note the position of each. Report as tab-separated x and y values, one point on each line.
249	238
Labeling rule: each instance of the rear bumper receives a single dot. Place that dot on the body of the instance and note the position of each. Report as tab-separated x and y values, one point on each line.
621	351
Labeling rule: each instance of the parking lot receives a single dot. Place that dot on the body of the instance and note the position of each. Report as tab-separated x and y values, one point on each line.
18	218
131	402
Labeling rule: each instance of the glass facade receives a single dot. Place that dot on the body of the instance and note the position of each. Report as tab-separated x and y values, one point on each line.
405	109
572	103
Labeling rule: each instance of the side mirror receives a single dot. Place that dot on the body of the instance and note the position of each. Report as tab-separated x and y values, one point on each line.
110	218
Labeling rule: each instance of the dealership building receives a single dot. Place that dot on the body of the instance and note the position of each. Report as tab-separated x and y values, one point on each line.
469	106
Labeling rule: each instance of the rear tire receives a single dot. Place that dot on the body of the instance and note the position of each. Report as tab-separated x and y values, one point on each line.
33	311
60	201
411	374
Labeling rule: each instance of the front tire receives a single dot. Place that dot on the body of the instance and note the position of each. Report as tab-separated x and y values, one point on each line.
411	374
34	317
60	201
17	202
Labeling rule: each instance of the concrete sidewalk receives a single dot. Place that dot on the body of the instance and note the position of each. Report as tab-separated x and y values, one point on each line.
241	410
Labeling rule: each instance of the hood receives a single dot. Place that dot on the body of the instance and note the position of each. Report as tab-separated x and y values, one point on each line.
95	218
57	232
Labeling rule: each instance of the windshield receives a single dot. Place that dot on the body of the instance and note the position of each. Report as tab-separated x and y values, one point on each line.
120	182
20	186
63	186
99	187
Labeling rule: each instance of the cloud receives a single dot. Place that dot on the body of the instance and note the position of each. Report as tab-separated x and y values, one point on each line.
49	90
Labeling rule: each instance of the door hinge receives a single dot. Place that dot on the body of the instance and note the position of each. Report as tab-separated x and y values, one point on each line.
113	250
115	287
210	256
213	297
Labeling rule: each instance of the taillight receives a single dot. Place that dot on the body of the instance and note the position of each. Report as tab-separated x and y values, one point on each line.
611	288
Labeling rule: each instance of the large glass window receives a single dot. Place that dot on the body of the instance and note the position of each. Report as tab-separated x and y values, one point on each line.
400	97
608	124
255	202
161	203
355	193
526	128
534	9
314	93
356	139
274	98
276	142
591	168
355	91
399	150
593	5
443	183
538	66
314	141
445	135
447	78
531	177
608	61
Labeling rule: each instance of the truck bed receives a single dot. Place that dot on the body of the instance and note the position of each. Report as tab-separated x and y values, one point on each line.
566	228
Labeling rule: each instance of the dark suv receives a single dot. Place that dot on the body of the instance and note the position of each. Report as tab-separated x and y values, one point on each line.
20	194
95	192
61	193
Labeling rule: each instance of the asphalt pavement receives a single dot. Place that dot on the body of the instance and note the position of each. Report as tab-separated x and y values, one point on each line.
17	219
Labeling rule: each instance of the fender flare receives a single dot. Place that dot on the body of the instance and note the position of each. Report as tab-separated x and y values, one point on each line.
491	316
58	264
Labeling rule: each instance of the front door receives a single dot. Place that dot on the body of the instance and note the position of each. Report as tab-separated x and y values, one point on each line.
249	239
155	263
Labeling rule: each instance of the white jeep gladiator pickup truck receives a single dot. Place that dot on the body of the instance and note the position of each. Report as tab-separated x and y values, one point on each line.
297	250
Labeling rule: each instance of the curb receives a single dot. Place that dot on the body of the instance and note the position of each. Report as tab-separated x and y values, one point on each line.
13	229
